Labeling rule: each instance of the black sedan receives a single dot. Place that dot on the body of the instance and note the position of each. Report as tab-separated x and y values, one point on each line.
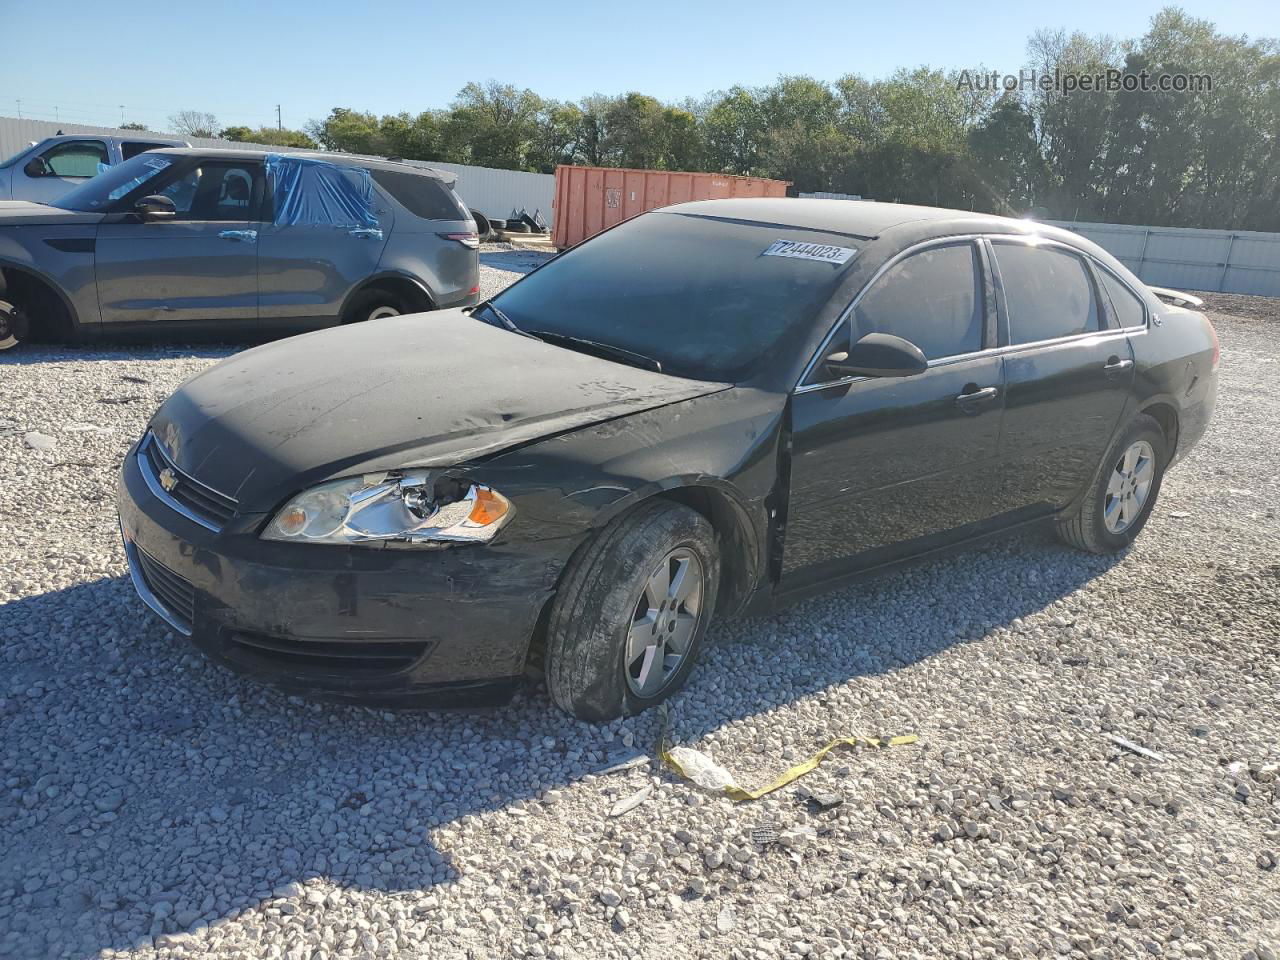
708	410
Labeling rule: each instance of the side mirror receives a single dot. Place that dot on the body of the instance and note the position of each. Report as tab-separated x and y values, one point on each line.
155	207
36	167
879	355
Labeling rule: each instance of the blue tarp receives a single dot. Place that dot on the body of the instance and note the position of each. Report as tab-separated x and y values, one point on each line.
317	193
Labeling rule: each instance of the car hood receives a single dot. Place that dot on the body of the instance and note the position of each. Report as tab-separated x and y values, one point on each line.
15	213
426	390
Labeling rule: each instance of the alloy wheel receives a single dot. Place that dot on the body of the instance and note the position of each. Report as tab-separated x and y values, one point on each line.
664	623
1129	487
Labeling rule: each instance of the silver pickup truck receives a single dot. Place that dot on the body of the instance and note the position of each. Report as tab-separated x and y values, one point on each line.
57	165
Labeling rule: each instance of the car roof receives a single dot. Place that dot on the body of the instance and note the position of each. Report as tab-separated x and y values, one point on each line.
867	219
342	159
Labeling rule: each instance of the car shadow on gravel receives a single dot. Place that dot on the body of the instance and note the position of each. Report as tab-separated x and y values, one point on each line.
148	792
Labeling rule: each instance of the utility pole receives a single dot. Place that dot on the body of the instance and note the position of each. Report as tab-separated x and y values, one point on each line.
279	125
19	108
122	114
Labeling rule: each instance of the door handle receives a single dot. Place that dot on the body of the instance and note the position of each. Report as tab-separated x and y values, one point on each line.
969	401
1115	365
365	233
239	236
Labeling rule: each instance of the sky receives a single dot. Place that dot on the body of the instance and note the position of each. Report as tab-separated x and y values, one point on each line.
81	62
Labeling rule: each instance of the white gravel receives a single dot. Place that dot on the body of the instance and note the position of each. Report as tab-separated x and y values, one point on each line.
156	806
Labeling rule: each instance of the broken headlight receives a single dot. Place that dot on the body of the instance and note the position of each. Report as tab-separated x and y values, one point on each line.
416	507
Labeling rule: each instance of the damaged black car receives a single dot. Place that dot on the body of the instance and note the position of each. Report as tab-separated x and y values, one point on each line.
705	411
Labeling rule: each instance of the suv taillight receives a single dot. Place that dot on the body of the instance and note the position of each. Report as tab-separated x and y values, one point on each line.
469	240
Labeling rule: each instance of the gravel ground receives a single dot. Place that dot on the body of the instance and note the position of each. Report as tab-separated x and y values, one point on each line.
156	806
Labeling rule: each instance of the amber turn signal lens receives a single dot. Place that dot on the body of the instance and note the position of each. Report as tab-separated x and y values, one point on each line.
489	507
292	520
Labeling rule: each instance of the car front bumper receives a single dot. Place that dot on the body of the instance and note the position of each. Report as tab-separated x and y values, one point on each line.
394	626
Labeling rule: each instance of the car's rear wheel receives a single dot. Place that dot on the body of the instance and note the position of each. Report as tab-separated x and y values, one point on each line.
373	304
628	620
1123	493
14	326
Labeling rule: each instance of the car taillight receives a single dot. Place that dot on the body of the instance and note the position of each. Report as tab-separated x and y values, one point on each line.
1217	351
469	240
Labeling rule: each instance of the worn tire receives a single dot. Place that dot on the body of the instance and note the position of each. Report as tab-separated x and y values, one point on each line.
15	328
368	304
596	603
1084	527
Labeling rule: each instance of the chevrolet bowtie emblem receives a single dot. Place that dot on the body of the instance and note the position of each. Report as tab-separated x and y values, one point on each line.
168	479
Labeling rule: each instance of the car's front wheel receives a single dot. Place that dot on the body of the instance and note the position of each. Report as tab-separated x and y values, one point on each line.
630	614
14	326
1122	495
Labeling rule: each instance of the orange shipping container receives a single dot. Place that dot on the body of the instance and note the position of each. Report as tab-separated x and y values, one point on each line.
591	199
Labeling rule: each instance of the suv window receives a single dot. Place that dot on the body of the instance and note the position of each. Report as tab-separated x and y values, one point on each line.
131	149
1125	304
75	158
217	191
423	196
1047	290
931	298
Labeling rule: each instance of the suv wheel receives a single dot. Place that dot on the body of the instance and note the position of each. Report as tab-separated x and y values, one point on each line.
629	618
373	305
14	326
1123	493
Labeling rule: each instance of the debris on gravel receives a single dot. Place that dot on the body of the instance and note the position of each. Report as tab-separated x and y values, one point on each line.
153	805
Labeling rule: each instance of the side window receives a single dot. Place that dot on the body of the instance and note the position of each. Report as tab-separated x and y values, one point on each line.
217	191
131	149
423	196
1129	309
75	158
1048	292
931	298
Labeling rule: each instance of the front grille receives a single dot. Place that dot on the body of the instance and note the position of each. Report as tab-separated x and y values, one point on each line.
330	657
171	596
182	492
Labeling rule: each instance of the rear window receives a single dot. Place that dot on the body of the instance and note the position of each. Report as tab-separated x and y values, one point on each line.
1048	292
708	299
424	197
131	149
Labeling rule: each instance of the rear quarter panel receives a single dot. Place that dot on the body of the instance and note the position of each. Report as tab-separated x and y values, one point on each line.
1174	359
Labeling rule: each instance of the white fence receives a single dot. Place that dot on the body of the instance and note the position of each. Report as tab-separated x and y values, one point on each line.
1223	261
492	192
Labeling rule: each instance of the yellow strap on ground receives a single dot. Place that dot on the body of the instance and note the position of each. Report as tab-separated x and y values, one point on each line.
736	792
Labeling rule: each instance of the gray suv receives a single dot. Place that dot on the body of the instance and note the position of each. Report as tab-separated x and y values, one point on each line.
235	241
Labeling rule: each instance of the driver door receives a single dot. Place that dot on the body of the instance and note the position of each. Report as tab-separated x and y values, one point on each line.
887	467
202	265
58	170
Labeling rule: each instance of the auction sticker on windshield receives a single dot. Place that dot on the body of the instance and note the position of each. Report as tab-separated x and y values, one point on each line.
809	251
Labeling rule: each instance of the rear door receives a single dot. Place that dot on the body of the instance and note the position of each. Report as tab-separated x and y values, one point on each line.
312	252
200	266
1068	374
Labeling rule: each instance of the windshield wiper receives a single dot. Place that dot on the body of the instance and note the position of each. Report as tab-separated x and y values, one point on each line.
506	322
606	350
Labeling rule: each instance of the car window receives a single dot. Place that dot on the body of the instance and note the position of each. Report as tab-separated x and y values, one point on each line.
216	191
131	149
75	158
931	298
424	197
1047	290
1127	306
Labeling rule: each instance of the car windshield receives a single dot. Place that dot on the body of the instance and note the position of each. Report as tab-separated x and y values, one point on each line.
703	298
114	183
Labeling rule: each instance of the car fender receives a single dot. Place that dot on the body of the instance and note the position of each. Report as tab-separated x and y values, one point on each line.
27	265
